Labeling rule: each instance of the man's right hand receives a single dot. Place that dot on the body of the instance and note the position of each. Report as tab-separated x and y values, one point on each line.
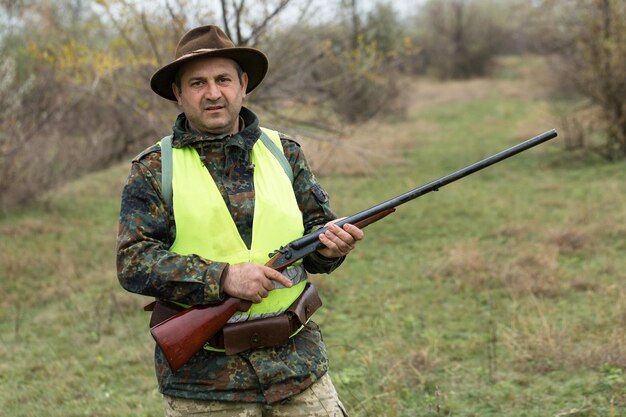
250	281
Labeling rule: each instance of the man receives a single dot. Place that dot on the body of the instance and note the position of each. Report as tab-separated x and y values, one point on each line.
234	201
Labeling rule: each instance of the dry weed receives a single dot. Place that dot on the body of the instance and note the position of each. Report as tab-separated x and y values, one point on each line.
570	240
537	345
417	364
515	230
29	227
541	344
406	369
580	284
533	272
612	353
612	350
466	263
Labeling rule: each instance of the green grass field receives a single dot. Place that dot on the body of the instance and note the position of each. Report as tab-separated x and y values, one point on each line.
504	294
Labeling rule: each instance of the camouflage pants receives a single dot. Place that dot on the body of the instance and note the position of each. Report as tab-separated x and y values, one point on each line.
319	400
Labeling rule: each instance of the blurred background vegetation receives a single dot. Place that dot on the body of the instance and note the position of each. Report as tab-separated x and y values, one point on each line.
74	75
504	295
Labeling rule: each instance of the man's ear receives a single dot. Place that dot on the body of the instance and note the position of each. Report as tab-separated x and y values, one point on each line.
244	83
176	92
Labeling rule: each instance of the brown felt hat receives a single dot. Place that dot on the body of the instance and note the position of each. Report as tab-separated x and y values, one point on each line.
207	41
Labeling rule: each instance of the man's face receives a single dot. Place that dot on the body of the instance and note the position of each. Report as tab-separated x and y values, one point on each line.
211	94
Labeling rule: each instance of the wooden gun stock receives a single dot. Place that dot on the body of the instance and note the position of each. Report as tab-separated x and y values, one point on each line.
183	335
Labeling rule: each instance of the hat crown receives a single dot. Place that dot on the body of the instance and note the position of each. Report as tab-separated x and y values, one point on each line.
203	38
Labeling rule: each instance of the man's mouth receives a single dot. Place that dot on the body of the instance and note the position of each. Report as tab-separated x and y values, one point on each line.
212	106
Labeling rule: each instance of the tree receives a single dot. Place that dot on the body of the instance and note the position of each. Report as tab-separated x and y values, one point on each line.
459	38
383	26
593	66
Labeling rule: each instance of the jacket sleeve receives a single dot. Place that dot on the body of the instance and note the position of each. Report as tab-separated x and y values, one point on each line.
144	263
314	204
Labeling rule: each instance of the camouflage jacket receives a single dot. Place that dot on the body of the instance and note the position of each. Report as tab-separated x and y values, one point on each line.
146	266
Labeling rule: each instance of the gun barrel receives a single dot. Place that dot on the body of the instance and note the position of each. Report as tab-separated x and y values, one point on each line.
431	186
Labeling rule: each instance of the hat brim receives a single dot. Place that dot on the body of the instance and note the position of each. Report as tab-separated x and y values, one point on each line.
253	62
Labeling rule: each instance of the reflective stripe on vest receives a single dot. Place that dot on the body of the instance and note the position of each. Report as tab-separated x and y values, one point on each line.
205	227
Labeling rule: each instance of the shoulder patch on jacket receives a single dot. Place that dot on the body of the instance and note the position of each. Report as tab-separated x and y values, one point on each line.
320	194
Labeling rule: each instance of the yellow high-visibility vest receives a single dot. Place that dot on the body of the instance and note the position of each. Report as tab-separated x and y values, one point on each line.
205	227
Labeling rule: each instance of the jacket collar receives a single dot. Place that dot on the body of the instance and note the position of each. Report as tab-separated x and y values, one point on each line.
245	138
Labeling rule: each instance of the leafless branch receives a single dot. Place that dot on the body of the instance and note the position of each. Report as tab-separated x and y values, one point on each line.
259	28
225	18
179	24
153	45
238	20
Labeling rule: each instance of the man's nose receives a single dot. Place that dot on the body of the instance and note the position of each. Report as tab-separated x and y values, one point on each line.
212	92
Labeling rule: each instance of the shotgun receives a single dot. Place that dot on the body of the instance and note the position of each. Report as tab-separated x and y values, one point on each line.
183	335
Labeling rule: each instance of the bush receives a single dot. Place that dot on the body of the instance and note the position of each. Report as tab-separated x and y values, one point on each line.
593	66
86	104
319	68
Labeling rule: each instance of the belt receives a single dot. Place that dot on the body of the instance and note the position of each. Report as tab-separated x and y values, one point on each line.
253	334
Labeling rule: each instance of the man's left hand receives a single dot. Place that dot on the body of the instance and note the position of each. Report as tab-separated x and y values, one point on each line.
339	241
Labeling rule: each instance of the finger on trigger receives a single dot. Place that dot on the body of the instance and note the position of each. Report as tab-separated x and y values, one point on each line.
277	276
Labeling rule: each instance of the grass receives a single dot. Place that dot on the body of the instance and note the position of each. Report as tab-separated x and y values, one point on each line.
501	295
506	294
